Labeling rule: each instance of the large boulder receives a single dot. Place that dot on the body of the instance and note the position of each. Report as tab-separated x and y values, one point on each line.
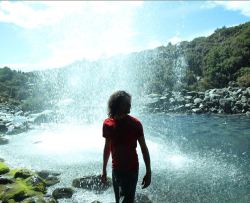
92	183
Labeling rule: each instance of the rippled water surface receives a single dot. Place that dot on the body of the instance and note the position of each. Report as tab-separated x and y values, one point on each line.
195	158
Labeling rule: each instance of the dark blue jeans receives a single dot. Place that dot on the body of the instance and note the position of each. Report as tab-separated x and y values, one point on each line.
124	183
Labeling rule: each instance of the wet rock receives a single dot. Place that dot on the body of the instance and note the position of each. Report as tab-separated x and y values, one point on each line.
197	110
3	140
226	104
42	117
244	99
142	198
39	200
23	173
197	100
92	183
3	128
46	173
49	181
62	193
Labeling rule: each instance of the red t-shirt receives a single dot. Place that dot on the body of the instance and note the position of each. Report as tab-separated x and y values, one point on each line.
124	134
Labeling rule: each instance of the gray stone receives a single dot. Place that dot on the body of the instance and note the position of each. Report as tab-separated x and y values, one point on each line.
197	100
197	110
188	97
226	105
188	105
49	181
244	99
46	173
171	100
192	93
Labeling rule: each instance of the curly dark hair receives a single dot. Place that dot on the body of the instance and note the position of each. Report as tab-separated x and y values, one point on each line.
116	100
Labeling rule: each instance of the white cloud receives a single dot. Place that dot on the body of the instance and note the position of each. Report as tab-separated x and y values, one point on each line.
153	44
73	30
242	6
174	40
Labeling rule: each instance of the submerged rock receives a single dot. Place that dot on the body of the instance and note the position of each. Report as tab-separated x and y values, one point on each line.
62	193
92	183
3	140
142	198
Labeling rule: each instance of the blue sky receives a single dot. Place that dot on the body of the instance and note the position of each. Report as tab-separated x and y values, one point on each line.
45	34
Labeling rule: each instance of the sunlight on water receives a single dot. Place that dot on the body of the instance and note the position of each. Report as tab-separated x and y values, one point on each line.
70	139
179	161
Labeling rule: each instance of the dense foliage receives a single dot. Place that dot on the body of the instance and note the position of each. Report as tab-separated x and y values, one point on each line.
203	63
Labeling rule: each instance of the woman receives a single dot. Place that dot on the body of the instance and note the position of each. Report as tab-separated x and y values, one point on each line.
121	132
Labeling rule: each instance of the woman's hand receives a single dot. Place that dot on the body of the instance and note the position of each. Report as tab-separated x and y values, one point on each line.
104	177
146	180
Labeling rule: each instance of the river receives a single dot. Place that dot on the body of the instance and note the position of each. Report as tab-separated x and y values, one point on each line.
195	158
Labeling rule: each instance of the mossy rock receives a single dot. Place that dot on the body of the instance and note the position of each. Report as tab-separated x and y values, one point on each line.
3	168
6	180
23	173
17	191
36	183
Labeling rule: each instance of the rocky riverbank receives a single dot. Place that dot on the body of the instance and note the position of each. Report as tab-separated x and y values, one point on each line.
26	186
230	100
13	120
